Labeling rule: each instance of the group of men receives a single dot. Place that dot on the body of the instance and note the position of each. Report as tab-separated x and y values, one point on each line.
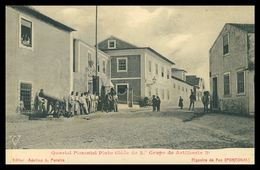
87	103
156	103
83	104
109	101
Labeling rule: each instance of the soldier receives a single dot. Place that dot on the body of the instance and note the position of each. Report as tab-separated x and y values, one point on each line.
71	104
77	106
115	99
158	104
192	99
154	101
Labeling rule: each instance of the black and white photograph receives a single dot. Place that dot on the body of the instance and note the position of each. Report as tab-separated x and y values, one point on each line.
130	84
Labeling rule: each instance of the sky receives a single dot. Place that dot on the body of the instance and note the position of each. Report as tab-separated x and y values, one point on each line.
183	34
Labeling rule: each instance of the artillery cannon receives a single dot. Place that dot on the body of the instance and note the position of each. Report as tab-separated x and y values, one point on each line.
58	105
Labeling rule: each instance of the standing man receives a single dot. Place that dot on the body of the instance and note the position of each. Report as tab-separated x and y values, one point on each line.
71	104
180	102
158	104
77	104
192	100
154	101
115	98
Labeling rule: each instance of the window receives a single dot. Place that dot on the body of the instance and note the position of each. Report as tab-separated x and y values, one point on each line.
240	82
156	69
179	87
162	71
90	61
26	33
162	93
121	64
173	85
168	74
104	66
225	44
25	95
168	94
226	84
186	90
149	66
182	88
98	66
156	91
150	91
111	44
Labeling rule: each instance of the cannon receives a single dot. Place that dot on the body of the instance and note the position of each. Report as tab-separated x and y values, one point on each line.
58	105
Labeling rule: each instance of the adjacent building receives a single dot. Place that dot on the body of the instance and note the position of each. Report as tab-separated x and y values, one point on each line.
38	56
198	85
84	67
232	75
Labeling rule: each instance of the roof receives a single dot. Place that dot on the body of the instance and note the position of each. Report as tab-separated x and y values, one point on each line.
148	48
250	28
43	17
193	80
99	51
176	69
181	80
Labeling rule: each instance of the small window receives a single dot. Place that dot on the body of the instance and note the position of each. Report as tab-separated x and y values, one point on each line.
168	74
186	90
111	44
149	66
90	61
156	69
121	64
162	93
26	33
168	94
179	87
182	88
173	85
240	82
162	71
150	91
104	66
25	96
226	84
225	44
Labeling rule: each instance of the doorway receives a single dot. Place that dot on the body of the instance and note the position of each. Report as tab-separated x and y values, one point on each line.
122	93
215	93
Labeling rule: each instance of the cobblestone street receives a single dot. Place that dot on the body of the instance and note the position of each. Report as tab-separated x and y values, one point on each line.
172	128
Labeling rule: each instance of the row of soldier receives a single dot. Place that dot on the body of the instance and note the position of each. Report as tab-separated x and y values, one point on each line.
87	103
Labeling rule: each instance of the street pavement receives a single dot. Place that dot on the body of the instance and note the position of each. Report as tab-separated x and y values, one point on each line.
171	128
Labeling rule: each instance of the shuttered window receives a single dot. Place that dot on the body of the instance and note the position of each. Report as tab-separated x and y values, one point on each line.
240	82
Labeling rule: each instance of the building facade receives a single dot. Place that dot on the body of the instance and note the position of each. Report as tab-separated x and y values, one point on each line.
232	74
198	85
38	56
84	67
142	70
